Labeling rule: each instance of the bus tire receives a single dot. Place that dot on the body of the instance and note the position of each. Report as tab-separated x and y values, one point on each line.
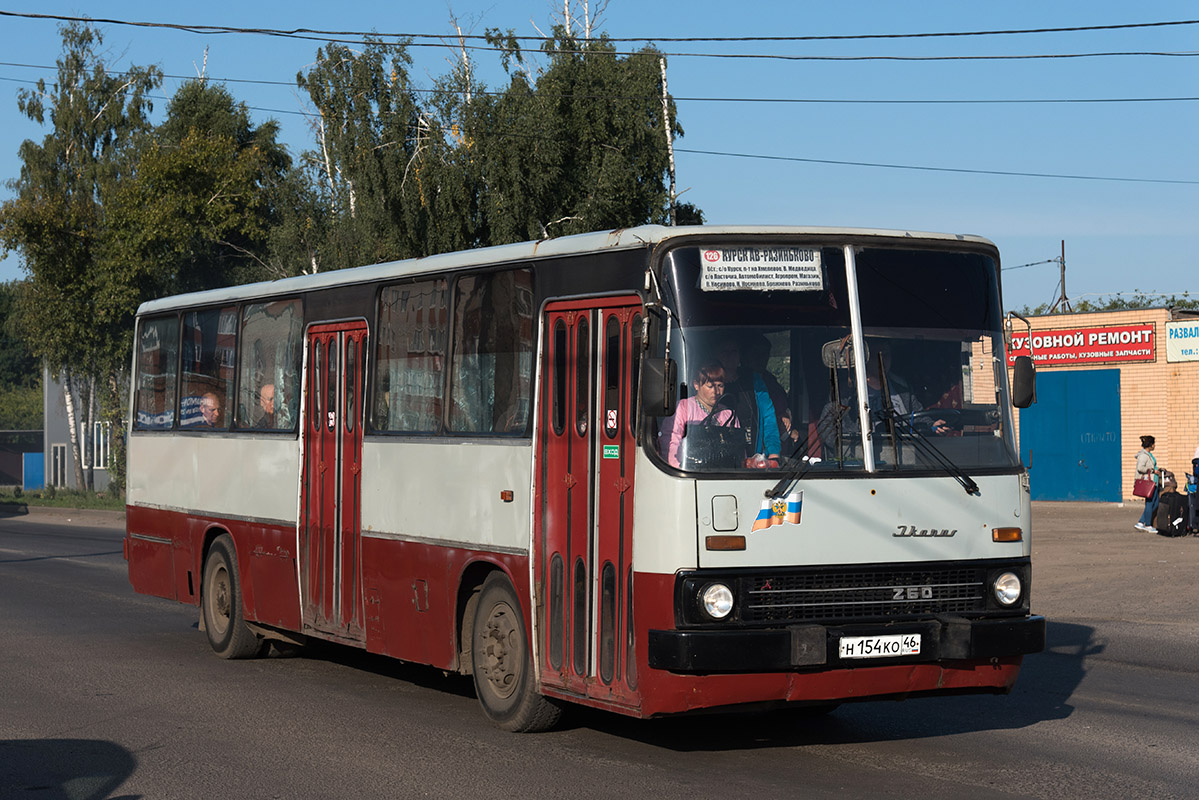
220	603
502	662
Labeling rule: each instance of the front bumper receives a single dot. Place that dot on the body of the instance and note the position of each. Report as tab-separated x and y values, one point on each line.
797	647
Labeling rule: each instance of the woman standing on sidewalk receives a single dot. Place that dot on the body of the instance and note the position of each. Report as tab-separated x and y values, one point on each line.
1147	469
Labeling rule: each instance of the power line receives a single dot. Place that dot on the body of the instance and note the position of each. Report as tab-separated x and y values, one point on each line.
335	37
939	169
678	99
301	32
832	162
1031	264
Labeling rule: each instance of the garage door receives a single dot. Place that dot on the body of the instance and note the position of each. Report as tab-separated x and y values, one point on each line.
1070	439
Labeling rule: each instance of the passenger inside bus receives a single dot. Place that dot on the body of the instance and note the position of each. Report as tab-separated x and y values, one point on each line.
700	432
266	407
842	415
773	417
210	411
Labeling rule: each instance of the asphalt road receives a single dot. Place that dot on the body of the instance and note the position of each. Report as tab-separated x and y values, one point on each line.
108	694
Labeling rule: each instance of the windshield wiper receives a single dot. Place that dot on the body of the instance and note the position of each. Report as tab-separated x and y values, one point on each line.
931	453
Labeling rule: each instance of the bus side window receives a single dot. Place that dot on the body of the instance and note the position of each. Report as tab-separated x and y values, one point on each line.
491	376
612	404
558	416
157	356
272	344
208	346
409	376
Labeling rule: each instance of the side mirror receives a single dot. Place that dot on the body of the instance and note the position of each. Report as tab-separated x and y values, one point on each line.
659	379
1024	382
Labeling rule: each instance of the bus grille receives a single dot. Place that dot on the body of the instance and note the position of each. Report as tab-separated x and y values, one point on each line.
847	596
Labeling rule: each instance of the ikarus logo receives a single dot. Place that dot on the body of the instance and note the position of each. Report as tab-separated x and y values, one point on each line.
912	530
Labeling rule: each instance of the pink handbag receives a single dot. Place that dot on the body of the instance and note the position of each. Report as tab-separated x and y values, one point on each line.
1143	487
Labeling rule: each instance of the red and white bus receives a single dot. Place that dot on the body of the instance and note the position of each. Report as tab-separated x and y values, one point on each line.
623	469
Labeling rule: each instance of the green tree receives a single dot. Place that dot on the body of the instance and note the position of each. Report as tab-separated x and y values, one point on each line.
198	210
21	407
368	128
19	367
20	371
582	146
579	146
1119	301
56	222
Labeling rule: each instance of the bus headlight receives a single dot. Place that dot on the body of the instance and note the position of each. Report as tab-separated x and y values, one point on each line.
717	600
1008	588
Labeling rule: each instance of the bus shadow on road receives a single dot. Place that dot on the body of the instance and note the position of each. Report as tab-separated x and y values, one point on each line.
353	658
13	510
1043	691
79	769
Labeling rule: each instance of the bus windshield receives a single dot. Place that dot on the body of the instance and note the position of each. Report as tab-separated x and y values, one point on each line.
770	369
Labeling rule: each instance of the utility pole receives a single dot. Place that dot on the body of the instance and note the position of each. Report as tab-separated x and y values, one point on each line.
1062	299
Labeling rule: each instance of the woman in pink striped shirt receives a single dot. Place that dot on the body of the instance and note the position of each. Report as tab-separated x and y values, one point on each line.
697	409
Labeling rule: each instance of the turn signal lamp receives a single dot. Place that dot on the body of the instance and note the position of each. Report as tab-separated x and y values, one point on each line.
725	542
1007	534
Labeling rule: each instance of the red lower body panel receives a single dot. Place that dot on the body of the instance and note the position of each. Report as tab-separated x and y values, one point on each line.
413	593
266	561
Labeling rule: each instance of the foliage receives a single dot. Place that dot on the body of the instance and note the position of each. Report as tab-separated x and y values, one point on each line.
1120	302
21	407
581	146
57	218
198	210
66	307
367	115
19	368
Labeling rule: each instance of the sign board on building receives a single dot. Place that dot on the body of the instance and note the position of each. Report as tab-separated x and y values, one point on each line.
1182	341
1069	346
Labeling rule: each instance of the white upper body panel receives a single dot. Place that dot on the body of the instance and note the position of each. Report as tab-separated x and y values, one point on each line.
243	477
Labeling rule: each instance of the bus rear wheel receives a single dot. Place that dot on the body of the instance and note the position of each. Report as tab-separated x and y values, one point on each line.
220	603
502	662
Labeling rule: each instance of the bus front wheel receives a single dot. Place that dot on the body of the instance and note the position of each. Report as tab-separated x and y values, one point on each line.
502	663
224	621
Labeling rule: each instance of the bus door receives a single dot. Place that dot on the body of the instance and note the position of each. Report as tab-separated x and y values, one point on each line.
331	486
584	497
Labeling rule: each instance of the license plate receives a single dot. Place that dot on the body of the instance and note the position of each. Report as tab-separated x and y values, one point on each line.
892	646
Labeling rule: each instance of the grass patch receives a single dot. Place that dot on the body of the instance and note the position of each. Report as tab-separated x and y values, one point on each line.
63	498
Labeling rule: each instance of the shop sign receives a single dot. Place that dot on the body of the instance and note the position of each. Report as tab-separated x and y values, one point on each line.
1182	341
1070	346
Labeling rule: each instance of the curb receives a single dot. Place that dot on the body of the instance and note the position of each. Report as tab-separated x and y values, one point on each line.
94	516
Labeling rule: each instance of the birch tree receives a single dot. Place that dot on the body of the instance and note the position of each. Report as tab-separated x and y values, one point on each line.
56	220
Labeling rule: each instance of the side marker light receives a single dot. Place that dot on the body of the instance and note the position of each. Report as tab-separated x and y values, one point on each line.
725	542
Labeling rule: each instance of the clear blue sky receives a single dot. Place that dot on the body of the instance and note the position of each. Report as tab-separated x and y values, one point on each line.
1120	236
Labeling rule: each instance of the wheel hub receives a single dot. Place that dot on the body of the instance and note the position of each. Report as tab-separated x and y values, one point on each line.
501	651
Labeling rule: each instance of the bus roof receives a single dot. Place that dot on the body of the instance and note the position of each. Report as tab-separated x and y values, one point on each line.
618	239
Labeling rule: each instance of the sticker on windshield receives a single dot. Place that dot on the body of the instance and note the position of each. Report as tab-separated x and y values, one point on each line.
790	269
